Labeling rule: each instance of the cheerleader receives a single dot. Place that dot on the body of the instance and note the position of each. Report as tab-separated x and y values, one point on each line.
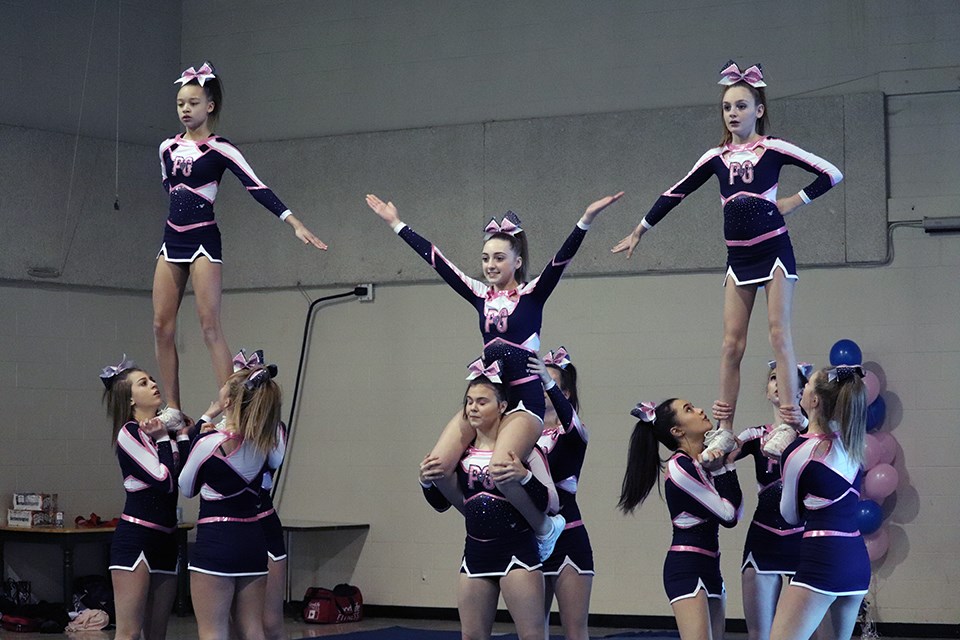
500	553
759	253
568	572
143	551
225	467
191	165
699	500
821	489
511	313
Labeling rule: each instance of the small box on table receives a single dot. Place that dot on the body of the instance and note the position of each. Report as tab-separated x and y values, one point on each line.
46	502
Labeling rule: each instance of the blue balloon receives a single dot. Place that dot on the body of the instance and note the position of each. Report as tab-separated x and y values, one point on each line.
869	516
845	352
876	413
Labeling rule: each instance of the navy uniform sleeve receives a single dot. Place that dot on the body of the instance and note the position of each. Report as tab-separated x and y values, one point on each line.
238	165
670	198
827	174
566	413
728	487
690	477
435	498
544	284
149	462
750	442
468	288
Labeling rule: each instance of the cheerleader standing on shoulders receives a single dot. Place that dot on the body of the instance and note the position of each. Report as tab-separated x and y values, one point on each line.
699	502
225	467
568	572
772	548
272	529
821	488
192	164
143	551
511	314
759	252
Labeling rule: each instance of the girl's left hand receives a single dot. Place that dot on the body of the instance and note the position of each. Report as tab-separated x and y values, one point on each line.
598	206
306	236
536	367
510	471
786	206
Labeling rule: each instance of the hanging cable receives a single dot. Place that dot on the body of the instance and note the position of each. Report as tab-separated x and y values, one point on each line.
116	171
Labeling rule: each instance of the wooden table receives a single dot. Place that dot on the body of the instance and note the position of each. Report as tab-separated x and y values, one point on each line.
70	537
293	526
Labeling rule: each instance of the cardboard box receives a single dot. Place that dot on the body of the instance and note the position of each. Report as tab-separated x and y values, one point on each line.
35	502
29	519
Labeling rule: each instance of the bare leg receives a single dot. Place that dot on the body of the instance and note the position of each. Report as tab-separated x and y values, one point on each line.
250	592
760	594
456	437
718	615
163	591
548	591
477	603
779	315
799	613
523	594
737	306
212	598
519	433
273	600
842	616
130	590
207	286
693	617
169	282
573	599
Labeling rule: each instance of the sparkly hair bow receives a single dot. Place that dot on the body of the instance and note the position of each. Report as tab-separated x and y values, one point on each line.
259	377
805	368
201	75
510	225
731	74
241	361
559	358
844	372
491	372
645	412
108	373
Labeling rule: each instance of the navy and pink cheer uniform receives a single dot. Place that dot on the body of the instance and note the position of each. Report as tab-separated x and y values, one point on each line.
498	539
699	502
754	230
146	531
566	447
509	320
191	173
821	490
772	544
230	538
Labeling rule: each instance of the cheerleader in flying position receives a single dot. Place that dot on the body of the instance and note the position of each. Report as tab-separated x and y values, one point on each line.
759	253
699	502
192	164
568	572
821	490
500	553
511	313
143	550
225	467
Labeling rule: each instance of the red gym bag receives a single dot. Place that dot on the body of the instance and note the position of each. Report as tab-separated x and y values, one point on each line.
324	606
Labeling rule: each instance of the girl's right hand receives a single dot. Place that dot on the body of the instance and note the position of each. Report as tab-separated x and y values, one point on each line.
536	367
628	244
594	208
153	427
431	470
722	410
386	210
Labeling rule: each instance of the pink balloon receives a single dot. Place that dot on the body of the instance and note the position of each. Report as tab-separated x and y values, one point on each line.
872	452
879	482
877	543
872	382
888	446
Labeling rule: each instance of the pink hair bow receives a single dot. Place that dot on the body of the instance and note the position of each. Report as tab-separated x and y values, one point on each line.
559	358
510	225
805	368
645	412
477	370
201	75
844	372
108	373
241	361
731	74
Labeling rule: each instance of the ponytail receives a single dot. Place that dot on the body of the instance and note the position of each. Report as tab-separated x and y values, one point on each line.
844	407
255	408
643	456
568	383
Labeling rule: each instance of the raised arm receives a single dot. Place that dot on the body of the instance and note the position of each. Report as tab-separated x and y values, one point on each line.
690	478
146	454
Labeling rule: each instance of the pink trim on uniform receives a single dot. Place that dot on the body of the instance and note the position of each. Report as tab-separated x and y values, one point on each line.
268	512
770	195
686	547
573	525
225	519
512	344
779	532
757	240
514	383
149	525
190	227
831	534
